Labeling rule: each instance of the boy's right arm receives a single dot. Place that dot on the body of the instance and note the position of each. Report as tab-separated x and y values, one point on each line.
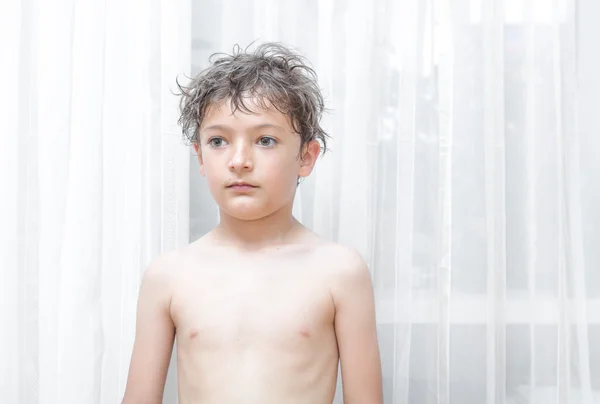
154	337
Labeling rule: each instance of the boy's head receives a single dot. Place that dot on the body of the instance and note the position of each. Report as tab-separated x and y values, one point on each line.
253	118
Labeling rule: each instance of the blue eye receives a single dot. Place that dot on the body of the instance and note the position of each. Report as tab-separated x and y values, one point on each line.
216	142
267	141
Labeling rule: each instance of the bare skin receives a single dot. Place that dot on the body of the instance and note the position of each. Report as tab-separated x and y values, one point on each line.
262	308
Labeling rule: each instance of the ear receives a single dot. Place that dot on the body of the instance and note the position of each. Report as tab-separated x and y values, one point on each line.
308	157
199	156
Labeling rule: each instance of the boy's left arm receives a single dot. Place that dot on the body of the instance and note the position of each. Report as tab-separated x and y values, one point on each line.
356	333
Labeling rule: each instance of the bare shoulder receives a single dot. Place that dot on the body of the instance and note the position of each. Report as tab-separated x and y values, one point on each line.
342	260
349	279
167	267
162	267
346	268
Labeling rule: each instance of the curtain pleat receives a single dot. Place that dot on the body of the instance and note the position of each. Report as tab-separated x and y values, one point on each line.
94	185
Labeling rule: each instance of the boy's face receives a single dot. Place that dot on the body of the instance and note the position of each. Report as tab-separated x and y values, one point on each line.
252	161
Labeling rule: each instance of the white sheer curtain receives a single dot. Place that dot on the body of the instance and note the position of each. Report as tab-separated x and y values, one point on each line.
464	166
94	184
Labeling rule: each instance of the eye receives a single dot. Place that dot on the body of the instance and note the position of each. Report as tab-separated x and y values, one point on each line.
267	141
217	142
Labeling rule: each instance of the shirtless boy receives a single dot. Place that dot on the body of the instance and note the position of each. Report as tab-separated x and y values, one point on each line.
262	308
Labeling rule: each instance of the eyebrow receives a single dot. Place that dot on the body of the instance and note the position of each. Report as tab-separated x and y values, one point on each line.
225	128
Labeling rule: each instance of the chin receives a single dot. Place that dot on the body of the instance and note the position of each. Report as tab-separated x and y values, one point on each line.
246	211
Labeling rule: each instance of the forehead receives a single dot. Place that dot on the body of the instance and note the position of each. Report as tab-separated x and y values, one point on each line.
224	114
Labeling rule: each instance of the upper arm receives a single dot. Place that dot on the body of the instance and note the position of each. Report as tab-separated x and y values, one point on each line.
154	337
356	333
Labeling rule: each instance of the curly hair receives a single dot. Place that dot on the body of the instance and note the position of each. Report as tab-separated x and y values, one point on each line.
270	75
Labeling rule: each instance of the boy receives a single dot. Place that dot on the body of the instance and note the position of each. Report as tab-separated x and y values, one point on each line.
262	308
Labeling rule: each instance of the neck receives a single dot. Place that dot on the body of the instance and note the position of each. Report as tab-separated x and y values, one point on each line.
276	229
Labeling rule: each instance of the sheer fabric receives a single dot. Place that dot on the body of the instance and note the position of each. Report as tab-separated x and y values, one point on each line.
464	167
94	184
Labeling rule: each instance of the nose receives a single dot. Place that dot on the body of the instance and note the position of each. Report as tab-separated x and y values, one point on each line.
241	160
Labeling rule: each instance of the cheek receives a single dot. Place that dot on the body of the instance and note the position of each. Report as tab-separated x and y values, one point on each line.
213	166
282	172
213	174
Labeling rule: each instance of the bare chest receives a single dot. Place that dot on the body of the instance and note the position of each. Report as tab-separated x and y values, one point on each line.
286	310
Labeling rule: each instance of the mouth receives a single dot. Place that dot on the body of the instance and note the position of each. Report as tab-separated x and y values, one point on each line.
241	186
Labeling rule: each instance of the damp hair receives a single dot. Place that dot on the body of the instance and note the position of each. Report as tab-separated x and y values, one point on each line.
271	75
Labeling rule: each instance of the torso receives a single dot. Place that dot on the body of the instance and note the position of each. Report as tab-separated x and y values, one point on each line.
255	328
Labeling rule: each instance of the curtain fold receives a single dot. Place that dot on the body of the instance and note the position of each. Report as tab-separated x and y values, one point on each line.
94	185
494	155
